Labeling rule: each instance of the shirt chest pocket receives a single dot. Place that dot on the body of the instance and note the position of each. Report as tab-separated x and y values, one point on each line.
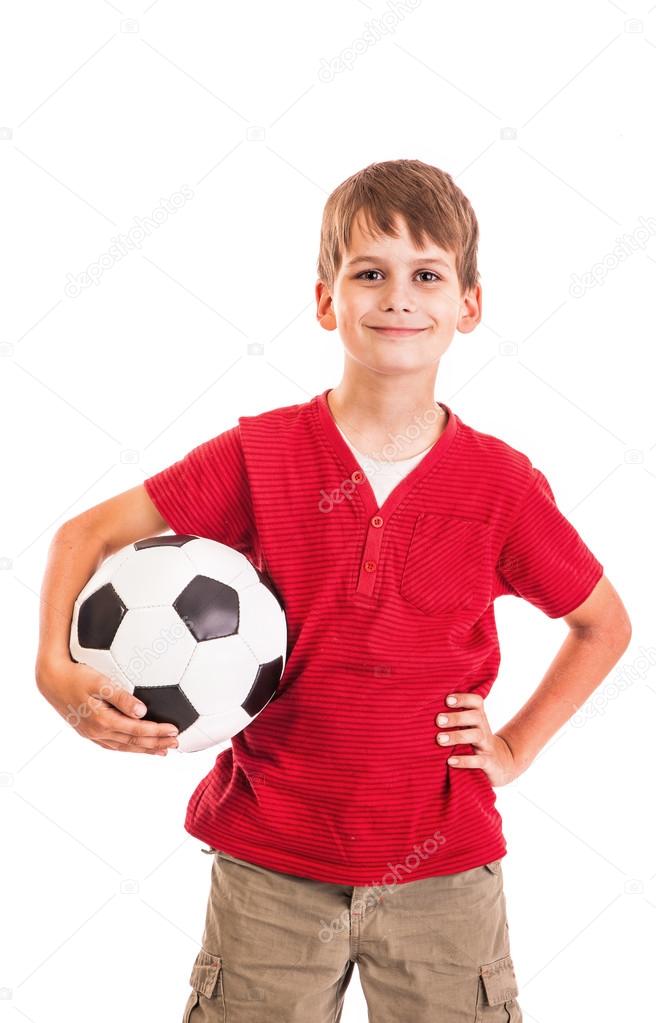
447	566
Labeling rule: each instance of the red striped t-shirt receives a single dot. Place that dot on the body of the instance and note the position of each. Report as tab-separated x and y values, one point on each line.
388	610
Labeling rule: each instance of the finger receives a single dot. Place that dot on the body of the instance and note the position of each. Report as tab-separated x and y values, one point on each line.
454	738
124	701
120	748
142	742
110	720
458	718
472	761
120	698
138	749
463	700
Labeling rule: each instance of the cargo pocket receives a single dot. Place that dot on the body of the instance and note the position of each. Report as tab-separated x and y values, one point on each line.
497	993
447	564
206	980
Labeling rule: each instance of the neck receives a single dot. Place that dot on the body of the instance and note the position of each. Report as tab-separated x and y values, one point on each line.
398	421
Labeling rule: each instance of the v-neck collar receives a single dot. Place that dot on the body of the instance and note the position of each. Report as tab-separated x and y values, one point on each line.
356	472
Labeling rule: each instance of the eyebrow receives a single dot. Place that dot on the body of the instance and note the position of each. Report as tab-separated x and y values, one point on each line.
413	262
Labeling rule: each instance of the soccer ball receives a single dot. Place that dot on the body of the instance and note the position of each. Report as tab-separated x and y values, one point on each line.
188	626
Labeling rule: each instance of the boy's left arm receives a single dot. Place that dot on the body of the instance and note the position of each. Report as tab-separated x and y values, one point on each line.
599	633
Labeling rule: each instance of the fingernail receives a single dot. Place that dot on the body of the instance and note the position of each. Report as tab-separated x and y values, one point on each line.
442	719
451	700
140	709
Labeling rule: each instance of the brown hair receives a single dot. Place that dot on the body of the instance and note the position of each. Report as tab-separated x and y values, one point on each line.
425	196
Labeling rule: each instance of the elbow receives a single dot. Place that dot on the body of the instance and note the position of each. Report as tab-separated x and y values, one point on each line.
626	633
618	633
621	627
613	630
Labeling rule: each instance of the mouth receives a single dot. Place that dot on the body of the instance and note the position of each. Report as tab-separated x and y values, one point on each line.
398	331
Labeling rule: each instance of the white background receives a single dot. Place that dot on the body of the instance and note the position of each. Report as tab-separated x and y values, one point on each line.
543	115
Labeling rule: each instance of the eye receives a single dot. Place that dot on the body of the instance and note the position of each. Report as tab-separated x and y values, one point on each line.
429	272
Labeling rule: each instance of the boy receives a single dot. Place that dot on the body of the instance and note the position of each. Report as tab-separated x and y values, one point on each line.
354	819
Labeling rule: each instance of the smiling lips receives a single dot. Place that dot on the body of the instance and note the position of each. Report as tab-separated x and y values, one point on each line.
398	331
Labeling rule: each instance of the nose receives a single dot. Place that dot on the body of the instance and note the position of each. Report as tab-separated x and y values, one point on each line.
395	297
396	304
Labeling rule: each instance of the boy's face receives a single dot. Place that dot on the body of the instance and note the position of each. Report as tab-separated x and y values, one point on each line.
396	285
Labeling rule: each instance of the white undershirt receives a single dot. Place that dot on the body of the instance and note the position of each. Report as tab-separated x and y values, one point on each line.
382	474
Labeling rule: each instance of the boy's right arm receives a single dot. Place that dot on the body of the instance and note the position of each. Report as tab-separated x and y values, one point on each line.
96	707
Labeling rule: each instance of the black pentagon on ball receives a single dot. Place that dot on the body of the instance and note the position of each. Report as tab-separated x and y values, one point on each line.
176	540
99	618
166	704
209	608
264	686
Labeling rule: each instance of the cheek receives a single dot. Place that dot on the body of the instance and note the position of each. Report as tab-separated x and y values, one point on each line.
447	309
351	319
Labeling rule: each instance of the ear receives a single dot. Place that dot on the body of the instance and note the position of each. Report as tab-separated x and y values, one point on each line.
325	311
472	309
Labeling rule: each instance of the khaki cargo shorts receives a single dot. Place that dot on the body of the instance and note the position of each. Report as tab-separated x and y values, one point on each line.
281	949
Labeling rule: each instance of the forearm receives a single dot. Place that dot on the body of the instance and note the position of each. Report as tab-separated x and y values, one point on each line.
582	662
74	555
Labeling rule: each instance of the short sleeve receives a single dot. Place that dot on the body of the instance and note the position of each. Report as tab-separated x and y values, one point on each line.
544	559
206	493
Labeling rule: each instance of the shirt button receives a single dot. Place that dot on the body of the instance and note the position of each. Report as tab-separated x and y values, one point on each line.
357	476
377	520
370	566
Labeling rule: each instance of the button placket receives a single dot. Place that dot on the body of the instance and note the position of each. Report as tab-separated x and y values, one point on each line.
365	502
371	556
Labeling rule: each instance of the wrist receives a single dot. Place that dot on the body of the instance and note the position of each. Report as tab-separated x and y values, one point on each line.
522	758
49	663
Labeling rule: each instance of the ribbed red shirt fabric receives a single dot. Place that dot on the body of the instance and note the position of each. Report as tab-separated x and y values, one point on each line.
388	610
